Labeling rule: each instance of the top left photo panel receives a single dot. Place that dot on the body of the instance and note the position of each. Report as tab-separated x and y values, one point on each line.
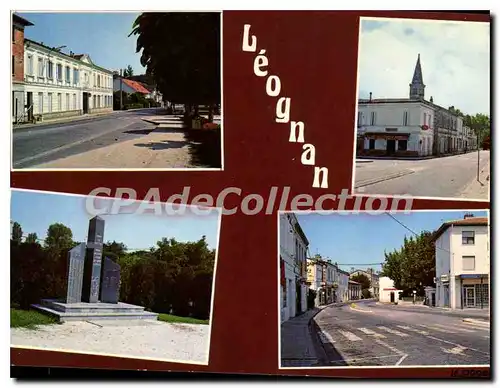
116	91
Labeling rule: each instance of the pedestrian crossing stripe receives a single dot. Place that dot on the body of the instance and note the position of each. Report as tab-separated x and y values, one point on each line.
371	332
434	328
414	330
454	327
398	333
350	336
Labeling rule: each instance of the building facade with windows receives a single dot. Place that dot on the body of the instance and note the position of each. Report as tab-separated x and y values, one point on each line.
323	278
343	289
18	26
61	85
293	265
372	277
410	127
354	290
463	263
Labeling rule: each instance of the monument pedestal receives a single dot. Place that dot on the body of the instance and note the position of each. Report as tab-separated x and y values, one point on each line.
93	285
83	311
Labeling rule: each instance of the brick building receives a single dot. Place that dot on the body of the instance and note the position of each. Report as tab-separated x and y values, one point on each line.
18	25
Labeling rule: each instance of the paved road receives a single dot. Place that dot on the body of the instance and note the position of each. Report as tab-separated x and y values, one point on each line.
445	177
376	335
45	143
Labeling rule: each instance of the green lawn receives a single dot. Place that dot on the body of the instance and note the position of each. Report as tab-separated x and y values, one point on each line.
176	319
29	318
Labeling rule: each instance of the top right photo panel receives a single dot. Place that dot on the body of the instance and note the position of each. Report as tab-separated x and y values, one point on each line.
423	111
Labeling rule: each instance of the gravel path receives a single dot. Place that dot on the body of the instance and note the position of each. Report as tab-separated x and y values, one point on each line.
139	339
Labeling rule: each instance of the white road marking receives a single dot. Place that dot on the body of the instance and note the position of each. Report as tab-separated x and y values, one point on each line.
371	332
454	344
413	330
398	333
393	349
326	337
476	327
350	336
456	350
432	327
455	327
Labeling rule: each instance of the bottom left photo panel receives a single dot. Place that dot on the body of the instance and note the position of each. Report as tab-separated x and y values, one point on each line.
112	277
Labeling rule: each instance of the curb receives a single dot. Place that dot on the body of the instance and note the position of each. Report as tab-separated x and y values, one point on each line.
476	322
369	182
57	122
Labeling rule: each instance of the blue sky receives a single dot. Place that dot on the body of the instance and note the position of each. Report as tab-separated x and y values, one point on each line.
360	239
455	59
36	211
104	36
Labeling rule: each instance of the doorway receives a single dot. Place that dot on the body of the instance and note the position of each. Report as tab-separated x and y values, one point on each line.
85	102
433	299
469	297
29	105
391	147
392	297
446	295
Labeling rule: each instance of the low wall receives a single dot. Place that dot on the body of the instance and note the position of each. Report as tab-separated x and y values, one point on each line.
384	153
101	110
57	115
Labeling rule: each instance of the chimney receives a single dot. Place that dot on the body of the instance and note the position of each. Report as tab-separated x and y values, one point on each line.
432	100
468	215
370	96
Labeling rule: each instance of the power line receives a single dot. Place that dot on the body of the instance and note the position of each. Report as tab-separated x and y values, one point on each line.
415	233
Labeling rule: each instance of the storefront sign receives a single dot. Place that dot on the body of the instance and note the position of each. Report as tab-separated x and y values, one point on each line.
445	278
471	276
386	136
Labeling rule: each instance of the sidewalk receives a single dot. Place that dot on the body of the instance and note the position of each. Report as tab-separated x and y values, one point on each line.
479	189
297	345
164	149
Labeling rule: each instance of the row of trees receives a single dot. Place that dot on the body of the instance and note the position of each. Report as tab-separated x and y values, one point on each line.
480	123
181	51
171	277
412	267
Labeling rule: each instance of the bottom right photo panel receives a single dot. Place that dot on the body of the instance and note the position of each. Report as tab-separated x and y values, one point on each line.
385	289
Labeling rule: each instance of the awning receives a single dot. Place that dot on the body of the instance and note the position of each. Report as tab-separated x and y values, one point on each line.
387	136
390	289
473	276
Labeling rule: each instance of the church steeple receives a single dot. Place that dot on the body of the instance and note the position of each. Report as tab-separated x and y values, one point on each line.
417	86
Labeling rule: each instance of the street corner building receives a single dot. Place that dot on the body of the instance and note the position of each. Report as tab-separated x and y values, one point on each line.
328	281
411	127
293	246
49	84
462	264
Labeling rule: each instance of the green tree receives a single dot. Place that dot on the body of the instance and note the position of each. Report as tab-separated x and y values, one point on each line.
32	238
59	238
412	267
17	233
362	279
181	50
114	250
128	72
480	123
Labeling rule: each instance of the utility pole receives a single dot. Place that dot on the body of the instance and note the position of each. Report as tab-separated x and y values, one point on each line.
121	90
478	155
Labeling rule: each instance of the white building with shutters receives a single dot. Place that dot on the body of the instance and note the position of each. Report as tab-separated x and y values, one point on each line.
293	247
410	127
61	85
463	264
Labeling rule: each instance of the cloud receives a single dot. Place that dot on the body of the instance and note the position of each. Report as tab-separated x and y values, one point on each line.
455	58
